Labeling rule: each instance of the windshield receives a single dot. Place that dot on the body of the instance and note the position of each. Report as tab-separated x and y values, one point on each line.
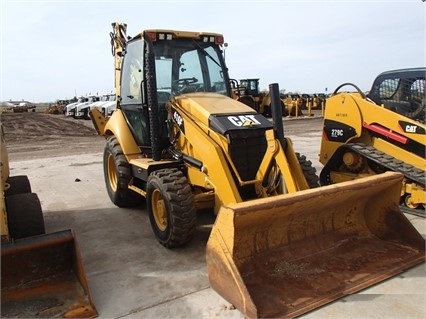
186	66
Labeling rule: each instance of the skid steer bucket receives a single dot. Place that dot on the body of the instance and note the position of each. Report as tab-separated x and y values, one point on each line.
43	277
286	255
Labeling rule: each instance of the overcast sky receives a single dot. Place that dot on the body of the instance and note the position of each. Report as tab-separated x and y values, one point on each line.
55	49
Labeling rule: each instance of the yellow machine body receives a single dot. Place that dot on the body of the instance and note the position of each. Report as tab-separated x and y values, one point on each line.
280	246
362	138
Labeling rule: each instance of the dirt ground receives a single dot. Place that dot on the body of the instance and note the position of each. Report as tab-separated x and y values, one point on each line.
130	274
38	135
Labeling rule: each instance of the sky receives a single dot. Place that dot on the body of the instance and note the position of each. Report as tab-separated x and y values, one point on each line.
57	49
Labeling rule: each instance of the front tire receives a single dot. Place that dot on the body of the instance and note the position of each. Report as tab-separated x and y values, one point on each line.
86	115
171	207
308	171
117	174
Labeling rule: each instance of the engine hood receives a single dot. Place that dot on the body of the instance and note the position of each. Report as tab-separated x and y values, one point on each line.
204	105
221	113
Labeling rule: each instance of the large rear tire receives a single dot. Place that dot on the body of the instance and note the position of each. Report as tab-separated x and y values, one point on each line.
24	215
117	174
171	207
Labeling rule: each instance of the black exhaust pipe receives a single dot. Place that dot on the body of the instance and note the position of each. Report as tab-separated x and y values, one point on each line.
277	118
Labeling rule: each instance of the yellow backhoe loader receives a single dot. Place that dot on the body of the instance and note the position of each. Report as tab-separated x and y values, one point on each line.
280	246
42	275
383	131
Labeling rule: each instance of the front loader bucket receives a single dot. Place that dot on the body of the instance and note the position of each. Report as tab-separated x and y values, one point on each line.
43	277
286	255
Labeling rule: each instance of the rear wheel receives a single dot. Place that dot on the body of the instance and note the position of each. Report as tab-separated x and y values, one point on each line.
117	174
24	215
171	207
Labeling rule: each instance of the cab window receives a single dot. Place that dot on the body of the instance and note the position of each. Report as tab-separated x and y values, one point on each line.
132	74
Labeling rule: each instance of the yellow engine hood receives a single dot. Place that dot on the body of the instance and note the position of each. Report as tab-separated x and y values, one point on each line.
202	105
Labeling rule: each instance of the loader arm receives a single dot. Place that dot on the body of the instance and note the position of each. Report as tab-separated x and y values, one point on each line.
351	119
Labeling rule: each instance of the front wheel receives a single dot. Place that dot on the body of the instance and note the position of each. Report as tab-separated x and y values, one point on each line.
308	171
86	115
171	207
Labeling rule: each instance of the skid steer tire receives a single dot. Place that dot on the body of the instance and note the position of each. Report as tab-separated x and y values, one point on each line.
19	184
24	215
171	207
308	171
117	174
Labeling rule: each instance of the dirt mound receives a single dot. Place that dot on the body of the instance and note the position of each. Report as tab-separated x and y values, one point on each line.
35	135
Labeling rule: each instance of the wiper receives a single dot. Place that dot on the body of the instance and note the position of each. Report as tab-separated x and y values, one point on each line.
205	53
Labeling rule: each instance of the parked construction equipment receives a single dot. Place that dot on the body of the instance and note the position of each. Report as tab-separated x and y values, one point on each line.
382	131
279	246
42	275
106	104
81	110
247	91
69	109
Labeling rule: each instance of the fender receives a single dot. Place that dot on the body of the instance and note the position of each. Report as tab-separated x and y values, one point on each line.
117	126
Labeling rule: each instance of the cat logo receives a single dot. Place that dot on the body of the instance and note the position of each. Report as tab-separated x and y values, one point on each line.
243	120
411	128
179	120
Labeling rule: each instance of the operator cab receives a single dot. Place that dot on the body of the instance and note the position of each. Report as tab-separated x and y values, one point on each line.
183	62
251	86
